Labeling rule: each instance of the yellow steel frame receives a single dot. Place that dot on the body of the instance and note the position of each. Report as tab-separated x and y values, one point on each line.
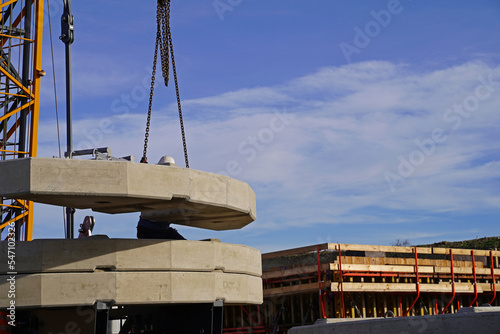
31	93
7	3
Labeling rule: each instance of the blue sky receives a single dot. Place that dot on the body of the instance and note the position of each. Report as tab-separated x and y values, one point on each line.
353	121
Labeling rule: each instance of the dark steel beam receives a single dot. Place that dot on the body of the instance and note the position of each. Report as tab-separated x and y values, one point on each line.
68	36
25	75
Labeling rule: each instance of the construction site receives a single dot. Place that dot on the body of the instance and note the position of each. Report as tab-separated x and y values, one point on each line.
366	281
160	282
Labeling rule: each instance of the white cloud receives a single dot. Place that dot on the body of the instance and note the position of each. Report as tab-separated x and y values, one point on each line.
346	127
241	100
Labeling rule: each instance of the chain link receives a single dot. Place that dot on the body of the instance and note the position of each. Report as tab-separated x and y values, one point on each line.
164	43
165	25
152	89
178	102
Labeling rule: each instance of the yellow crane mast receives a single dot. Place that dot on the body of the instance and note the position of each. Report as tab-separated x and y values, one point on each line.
21	31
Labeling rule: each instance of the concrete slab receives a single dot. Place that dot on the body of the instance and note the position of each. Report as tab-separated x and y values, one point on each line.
479	309
60	273
178	195
92	254
131	288
460	323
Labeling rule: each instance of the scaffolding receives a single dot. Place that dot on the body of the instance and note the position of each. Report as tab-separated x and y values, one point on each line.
363	281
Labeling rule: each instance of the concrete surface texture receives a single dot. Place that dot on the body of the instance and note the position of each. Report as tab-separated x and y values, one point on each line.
466	321
53	273
178	195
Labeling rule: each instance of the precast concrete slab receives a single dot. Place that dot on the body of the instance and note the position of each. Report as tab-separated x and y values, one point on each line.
480	309
95	253
486	320
63	273
178	195
131	288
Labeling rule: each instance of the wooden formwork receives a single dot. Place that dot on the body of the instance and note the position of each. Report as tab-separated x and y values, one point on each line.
344	280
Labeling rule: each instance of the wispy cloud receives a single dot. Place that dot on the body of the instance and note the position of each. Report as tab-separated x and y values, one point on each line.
317	149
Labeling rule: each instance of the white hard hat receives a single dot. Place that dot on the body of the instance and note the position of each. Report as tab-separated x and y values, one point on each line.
166	160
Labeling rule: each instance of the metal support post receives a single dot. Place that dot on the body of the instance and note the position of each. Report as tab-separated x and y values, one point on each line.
68	37
217	317
70	223
101	318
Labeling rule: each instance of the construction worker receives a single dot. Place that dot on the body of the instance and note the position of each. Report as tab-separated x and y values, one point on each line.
148	229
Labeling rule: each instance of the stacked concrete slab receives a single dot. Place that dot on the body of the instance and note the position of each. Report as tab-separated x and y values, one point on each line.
163	193
64	273
163	282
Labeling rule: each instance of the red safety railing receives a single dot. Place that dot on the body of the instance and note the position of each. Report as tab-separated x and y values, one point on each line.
417	282
493	278
475	279
320	295
341	280
452	283
400	306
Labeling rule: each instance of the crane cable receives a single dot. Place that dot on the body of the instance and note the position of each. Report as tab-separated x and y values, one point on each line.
55	98
55	85
165	45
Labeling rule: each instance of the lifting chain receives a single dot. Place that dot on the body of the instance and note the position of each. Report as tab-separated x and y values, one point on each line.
164	43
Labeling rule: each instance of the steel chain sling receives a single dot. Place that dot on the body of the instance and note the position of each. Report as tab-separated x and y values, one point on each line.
164	43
